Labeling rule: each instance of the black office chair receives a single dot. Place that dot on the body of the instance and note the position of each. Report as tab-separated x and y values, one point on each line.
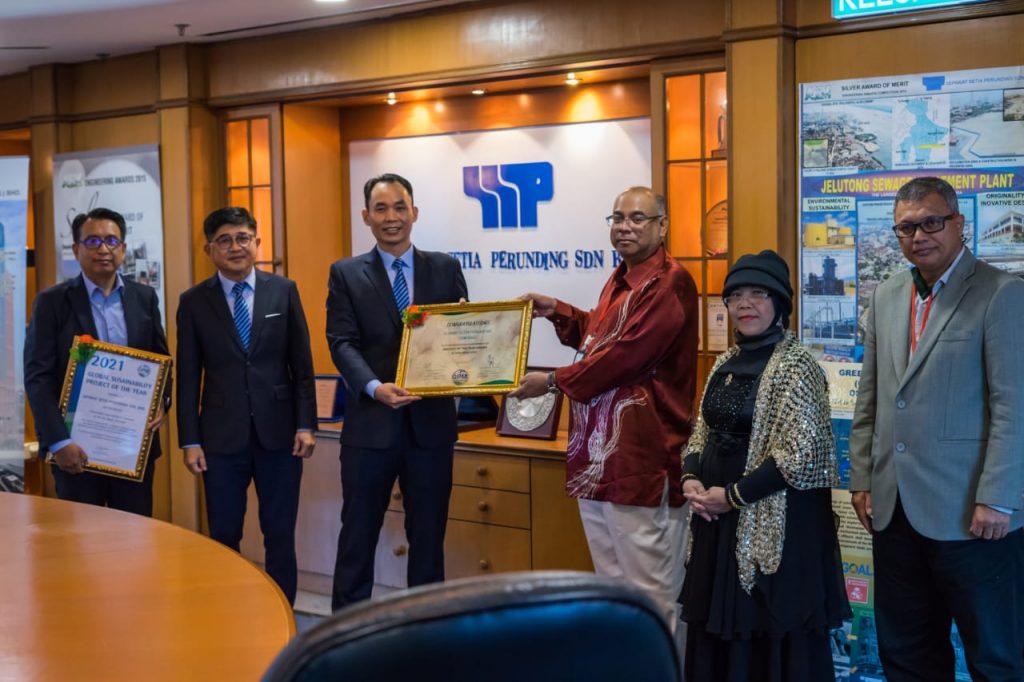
515	627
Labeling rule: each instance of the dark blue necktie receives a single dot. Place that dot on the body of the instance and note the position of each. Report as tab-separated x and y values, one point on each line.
242	322
400	287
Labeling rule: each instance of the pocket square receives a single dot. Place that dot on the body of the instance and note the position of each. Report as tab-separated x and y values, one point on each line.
272	315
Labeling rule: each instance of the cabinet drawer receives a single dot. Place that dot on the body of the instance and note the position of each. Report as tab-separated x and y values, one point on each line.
484	505
492	471
481	549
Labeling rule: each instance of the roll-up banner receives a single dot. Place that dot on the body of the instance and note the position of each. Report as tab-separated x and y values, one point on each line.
13	232
126	180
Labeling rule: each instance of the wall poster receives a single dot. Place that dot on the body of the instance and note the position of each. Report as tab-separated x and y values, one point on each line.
13	235
860	140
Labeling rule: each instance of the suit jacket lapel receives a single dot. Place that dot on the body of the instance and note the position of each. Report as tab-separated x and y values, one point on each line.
421	278
215	295
373	268
899	319
945	304
262	301
131	305
78	296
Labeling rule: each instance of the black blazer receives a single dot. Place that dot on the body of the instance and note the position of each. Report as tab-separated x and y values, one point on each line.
271	386
364	332
58	315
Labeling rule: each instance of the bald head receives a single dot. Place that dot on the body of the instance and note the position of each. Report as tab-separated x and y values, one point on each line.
661	206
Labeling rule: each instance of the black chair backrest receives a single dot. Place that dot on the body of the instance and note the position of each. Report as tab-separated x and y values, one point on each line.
515	627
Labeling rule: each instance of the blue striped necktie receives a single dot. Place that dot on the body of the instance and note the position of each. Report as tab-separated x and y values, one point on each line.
242	322
400	287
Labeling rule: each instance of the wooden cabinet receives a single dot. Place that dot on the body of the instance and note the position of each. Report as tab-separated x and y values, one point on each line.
508	512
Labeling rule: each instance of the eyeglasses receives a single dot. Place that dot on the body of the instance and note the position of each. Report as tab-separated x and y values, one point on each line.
929	225
752	295
93	243
633	219
224	242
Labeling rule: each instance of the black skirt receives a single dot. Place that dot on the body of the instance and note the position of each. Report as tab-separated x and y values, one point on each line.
781	630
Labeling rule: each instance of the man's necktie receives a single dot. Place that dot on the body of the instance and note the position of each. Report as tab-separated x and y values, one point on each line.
242	322
400	286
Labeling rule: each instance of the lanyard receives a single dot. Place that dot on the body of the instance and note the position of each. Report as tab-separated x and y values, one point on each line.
914	335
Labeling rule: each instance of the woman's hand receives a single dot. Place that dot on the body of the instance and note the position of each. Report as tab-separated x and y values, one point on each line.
693	489
713	501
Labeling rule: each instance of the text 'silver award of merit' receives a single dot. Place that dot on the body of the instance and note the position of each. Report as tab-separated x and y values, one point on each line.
111	393
464	348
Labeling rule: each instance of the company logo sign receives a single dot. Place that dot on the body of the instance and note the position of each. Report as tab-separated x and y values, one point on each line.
509	193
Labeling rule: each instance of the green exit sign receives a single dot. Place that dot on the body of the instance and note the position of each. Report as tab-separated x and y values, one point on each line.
852	9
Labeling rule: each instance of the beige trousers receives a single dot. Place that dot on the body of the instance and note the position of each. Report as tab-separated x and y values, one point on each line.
644	545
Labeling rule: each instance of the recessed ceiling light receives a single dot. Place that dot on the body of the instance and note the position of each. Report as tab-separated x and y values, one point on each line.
479	91
571	79
391	99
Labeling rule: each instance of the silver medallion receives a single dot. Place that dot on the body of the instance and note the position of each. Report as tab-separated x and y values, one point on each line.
527	414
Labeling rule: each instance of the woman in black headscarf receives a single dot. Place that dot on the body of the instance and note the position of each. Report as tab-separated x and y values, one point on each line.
764	579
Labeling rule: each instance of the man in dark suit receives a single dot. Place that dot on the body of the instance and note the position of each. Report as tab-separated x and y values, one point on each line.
102	304
246	399
389	433
936	466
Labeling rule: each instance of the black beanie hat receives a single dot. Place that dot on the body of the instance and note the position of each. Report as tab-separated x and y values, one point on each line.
767	270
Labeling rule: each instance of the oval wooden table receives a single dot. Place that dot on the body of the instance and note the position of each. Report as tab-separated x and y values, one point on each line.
90	593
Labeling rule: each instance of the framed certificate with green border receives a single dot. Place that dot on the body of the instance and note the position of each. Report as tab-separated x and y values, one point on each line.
110	394
464	348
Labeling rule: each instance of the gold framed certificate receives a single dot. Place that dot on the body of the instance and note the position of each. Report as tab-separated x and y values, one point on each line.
110	394
464	348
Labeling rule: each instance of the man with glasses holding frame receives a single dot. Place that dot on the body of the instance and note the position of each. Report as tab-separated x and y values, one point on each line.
937	450
101	303
246	397
631	388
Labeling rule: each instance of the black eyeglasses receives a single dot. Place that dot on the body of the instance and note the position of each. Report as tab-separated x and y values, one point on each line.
929	225
224	242
93	243
634	219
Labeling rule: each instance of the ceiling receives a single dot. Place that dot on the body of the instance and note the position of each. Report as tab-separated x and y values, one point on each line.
66	31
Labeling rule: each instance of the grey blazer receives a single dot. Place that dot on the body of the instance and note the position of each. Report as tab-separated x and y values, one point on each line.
945	430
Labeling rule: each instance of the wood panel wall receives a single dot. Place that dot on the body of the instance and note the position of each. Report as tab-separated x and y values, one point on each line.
490	38
313	212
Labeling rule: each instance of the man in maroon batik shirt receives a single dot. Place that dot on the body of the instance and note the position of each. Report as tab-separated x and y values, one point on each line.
632	390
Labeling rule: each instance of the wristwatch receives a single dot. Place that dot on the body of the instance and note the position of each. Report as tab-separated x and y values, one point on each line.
552	386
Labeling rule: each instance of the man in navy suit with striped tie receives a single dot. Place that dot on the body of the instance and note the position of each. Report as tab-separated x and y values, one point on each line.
388	433
246	397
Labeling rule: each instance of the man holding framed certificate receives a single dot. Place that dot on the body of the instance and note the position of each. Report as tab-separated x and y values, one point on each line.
389	433
631	389
101	304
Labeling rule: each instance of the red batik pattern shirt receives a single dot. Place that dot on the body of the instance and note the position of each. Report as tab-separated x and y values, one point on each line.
632	391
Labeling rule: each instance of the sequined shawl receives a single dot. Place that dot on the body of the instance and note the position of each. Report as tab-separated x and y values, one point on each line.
792	424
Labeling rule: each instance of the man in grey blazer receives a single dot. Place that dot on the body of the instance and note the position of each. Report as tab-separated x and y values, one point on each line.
937	450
